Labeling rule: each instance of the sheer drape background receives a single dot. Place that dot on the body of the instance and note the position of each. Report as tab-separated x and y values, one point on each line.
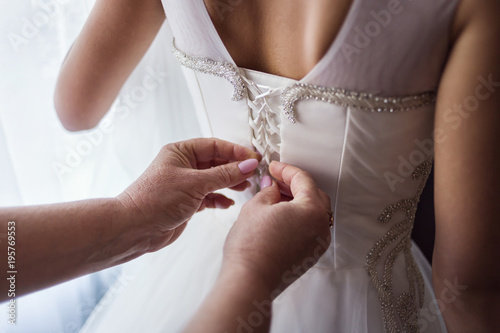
40	162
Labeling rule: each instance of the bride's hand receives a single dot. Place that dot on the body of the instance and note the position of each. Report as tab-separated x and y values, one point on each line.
181	181
275	240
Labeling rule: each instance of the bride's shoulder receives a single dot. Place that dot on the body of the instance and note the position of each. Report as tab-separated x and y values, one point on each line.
474	14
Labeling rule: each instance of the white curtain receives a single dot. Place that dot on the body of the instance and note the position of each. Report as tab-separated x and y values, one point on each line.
40	162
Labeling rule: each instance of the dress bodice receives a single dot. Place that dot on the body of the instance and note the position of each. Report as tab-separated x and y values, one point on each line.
361	122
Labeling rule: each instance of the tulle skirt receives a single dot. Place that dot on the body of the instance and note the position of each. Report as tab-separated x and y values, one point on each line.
160	292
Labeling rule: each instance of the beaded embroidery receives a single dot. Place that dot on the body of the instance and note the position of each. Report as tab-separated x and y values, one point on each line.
341	97
399	314
303	91
222	69
405	307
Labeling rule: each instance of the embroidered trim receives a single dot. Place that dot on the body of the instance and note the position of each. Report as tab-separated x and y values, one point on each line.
304	91
399	314
222	69
342	97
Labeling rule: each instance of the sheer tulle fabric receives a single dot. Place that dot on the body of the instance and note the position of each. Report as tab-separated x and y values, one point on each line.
40	162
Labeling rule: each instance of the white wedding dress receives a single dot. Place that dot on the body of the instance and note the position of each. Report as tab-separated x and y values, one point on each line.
361	122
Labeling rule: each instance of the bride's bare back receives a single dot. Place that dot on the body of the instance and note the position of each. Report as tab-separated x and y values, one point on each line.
283	37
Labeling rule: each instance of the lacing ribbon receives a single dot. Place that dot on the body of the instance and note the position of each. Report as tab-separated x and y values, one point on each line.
265	122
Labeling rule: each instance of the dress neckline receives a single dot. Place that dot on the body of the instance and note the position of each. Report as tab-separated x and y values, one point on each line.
323	62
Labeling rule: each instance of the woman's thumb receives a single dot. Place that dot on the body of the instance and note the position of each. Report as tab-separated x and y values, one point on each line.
270	192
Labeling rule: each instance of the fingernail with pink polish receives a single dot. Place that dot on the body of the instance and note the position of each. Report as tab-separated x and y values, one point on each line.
248	165
265	182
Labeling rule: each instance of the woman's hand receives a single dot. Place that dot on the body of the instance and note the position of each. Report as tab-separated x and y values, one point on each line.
277	240
67	240
273	242
181	181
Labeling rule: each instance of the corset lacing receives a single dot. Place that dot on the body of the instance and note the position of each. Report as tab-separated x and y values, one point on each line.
265	122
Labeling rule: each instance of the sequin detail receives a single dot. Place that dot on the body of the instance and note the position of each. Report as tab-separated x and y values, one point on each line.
399	314
222	69
304	91
344	98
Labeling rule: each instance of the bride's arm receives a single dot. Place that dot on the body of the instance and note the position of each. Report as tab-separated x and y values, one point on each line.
466	262
112	42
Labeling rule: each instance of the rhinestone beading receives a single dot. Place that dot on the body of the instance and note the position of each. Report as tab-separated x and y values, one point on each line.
222	69
399	314
304	91
344	98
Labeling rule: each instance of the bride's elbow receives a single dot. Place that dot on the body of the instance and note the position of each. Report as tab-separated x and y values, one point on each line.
72	121
73	113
